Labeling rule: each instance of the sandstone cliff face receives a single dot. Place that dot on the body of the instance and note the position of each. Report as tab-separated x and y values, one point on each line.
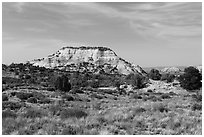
92	59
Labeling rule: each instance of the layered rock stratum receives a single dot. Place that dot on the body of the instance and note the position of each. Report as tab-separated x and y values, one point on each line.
88	59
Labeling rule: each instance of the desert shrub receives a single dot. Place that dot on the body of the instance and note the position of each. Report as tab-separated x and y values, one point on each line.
94	84
45	101
3	81
8	113
107	91
118	83
11	105
68	97
122	91
172	93
153	98
55	109
10	80
27	76
76	90
13	93
137	80
32	100
154	74
23	96
72	112
38	95
71	130
62	83
160	107
78	79
34	113
50	89
138	110
191	79
95	95
197	97
4	97
136	96
165	96
5	87
149	90
196	106
146	93
9	125
168	77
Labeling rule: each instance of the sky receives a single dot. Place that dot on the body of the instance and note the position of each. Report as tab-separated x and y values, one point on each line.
148	34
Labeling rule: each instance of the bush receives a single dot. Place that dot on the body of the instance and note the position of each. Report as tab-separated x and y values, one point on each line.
149	91
191	79
153	98
76	90
13	93
23	96
11	105
95	95
4	97
50	89
33	113
32	100
197	97
38	95
165	96
70	130
160	107
72	112
137	80
136	96
138	110
196	106
68	97
62	83
45	101
107	91
94	84
8	113
154	74
168	77
55	109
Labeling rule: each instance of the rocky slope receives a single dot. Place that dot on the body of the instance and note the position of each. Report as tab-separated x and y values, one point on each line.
88	59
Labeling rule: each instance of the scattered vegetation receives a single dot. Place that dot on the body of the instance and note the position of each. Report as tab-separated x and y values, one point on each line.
40	101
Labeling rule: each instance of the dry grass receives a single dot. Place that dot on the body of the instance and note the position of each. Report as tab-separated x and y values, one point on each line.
127	115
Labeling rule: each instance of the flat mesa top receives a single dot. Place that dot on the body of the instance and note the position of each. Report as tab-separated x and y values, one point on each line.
88	47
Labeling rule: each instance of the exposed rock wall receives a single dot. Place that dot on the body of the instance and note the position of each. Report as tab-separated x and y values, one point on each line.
93	59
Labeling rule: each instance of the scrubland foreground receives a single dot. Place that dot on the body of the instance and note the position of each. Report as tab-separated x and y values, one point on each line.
37	109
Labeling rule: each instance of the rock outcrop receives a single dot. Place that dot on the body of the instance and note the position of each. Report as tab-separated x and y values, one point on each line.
199	68
170	70
88	59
